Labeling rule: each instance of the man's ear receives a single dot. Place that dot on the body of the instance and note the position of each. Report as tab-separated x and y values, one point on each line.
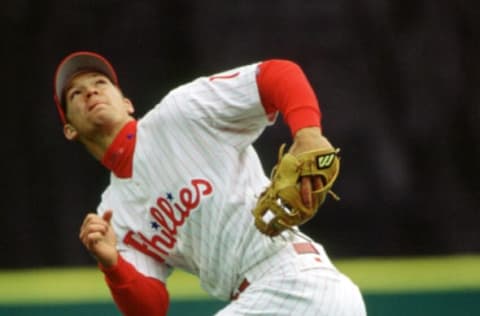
129	105
70	132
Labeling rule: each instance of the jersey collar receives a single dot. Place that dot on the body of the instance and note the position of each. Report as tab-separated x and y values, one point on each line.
119	156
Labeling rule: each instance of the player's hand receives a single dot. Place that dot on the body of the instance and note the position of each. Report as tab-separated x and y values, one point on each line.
97	235
307	139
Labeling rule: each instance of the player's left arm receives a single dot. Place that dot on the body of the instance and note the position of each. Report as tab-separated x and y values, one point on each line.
133	292
284	87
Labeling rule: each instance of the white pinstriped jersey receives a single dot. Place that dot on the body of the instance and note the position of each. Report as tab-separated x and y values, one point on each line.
196	178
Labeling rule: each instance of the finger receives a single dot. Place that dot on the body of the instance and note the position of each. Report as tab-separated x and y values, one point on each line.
89	218
94	218
93	235
92	239
306	191
92	221
93	228
317	183
107	216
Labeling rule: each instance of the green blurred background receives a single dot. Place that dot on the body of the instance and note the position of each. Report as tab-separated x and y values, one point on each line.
437	286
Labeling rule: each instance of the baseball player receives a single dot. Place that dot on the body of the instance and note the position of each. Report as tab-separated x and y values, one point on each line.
184	180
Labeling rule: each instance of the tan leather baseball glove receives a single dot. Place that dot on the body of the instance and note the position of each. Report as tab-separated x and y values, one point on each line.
280	206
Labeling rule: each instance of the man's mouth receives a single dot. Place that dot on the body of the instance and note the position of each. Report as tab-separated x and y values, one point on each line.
93	106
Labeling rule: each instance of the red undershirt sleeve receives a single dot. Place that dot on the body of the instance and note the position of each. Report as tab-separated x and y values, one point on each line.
134	293
284	87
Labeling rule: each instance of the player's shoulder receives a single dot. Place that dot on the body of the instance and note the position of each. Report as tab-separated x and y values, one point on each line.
233	72
189	100
217	83
226	74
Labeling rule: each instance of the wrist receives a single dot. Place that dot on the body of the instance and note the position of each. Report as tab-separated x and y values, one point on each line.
310	131
120	273
109	261
309	138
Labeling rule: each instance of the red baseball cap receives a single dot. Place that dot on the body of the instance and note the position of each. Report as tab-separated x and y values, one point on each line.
73	64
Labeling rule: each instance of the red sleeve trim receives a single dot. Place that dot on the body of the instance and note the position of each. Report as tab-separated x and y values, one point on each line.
134	293
119	274
284	87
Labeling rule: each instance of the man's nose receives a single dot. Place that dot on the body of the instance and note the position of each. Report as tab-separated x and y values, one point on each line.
92	91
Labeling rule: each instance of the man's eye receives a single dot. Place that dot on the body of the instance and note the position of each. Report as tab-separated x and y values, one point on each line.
101	81
73	94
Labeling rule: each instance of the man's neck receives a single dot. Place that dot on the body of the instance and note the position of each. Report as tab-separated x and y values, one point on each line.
119	155
98	145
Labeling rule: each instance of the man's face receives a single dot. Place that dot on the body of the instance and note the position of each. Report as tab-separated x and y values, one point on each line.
94	105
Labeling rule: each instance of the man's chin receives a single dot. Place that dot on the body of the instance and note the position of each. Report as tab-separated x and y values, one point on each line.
103	122
107	123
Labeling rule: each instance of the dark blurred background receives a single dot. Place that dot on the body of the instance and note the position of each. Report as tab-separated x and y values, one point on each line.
397	81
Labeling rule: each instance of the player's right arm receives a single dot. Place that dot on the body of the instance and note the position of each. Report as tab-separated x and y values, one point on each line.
284	87
133	292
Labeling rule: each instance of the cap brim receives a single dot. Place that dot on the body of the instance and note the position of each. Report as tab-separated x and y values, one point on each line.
77	62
